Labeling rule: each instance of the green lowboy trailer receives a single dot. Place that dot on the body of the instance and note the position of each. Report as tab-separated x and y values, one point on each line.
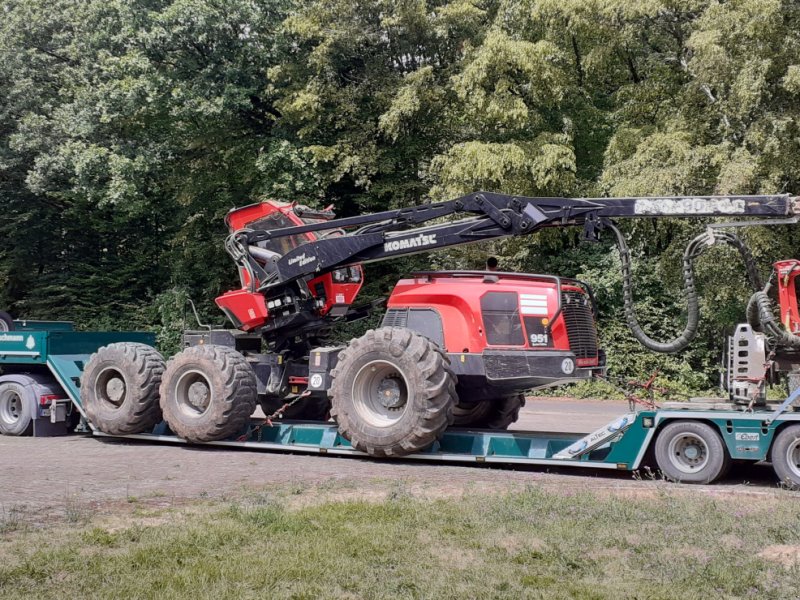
697	441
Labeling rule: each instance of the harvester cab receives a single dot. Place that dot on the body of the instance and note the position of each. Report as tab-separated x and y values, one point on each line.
329	294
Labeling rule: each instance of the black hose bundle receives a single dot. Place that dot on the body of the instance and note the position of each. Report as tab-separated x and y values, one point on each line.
694	250
761	317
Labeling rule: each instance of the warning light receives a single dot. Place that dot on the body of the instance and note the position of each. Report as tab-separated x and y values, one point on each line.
46	399
545	321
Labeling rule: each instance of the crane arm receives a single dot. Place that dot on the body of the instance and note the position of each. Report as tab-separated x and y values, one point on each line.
390	234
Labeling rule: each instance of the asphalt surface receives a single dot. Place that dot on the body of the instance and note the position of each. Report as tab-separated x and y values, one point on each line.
573	416
56	473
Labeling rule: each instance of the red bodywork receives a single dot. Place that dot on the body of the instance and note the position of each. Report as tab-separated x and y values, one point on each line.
250	310
787	272
457	297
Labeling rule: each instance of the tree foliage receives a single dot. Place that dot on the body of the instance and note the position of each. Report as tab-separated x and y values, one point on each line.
129	128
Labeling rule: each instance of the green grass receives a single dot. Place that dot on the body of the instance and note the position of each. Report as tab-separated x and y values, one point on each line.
530	544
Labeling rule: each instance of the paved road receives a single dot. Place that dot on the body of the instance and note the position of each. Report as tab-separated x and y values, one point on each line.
55	472
575	416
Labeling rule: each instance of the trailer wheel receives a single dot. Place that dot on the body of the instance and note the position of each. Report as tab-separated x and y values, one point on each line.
15	409
785	456
490	414
691	452
6	321
119	388
208	393
393	392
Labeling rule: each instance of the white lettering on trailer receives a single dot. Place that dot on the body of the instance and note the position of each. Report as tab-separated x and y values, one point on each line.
687	206
418	241
30	344
11	338
747	437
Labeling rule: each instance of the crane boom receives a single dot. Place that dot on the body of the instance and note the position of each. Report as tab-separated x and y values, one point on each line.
390	234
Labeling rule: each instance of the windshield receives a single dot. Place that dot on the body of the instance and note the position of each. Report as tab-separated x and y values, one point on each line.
281	245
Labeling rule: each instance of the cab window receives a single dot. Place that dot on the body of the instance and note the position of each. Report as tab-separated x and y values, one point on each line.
501	321
281	245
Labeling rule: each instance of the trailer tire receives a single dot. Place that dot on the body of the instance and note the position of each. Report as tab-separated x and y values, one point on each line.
208	393
15	408
119	388
393	392
6	321
691	452
497	414
785	456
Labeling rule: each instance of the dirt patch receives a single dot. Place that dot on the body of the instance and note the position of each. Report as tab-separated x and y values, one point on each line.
787	555
731	541
450	557
514	543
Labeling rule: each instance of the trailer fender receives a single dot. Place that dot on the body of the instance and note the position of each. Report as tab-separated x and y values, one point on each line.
30	387
747	439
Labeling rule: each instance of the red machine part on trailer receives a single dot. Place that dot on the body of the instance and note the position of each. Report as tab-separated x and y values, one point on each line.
496	309
787	272
334	291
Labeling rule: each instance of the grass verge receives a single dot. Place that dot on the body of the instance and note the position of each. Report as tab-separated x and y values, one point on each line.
526	544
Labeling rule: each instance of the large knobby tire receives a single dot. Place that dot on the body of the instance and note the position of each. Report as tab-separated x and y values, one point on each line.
785	456
119	388
393	392
490	414
691	452
15	409
208	393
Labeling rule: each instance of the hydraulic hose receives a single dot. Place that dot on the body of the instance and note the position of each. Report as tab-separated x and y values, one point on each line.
761	317
694	250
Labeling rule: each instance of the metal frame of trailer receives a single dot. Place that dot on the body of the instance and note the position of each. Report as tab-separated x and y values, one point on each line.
56	348
621	445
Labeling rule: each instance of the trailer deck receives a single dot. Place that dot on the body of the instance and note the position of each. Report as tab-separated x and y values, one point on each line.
56	350
620	445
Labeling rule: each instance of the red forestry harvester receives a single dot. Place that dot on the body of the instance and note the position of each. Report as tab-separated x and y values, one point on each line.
455	347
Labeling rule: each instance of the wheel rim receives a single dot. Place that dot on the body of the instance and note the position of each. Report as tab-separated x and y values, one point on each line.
688	452
793	458
111	388
4	326
193	393
10	407
380	393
